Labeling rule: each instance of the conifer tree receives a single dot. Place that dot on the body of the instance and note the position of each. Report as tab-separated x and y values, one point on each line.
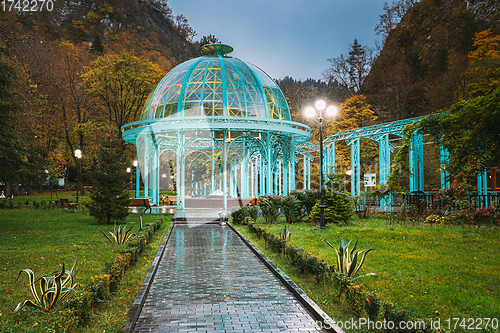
110	183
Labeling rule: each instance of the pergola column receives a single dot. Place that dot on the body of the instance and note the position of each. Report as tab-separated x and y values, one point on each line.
444	159
137	179
231	179
155	188
212	190
224	169
252	180
384	152
269	165
355	168
180	173
244	173
262	176
292	165
482	188
308	174
416	163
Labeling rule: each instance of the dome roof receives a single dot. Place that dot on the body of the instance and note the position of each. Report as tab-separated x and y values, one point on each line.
216	85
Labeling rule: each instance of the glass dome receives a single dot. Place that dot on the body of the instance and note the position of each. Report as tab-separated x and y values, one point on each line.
216	85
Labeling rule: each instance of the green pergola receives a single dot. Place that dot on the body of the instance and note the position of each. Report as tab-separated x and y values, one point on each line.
232	117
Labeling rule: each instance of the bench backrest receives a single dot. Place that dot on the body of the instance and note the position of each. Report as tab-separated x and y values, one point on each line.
140	202
64	201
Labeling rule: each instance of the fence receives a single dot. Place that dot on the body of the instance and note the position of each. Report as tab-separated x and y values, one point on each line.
421	201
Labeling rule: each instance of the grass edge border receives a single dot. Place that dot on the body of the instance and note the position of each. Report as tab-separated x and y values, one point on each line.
309	304
140	299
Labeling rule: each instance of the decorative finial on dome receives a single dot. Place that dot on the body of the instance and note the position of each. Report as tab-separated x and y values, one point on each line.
216	49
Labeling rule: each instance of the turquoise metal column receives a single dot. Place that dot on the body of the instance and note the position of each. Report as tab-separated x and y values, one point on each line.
156	183
276	180
284	167
245	193
269	165
180	174
416	163
146	168
444	159
137	180
252	180
213	167
224	167
262	176
292	166
332	158
482	188
304	172
355	168
384	156
231	181
308	174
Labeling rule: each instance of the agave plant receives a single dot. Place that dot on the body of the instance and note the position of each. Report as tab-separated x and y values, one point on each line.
120	235
285	233
350	262
48	290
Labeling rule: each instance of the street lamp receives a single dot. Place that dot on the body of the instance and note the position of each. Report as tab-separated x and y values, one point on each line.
78	155
310	112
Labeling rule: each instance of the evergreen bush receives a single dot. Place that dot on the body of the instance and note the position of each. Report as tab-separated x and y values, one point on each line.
338	209
110	197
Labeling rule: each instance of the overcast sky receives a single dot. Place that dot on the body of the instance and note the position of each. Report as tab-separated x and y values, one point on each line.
285	37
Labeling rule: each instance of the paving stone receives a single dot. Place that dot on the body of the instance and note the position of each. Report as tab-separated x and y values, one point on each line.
210	281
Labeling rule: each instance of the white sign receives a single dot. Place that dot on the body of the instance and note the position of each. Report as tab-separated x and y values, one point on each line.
370	179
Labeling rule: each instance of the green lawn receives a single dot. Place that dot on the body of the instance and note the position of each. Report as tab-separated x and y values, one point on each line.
445	270
42	240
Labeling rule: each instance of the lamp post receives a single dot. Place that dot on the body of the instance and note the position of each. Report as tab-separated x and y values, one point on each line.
78	155
310	112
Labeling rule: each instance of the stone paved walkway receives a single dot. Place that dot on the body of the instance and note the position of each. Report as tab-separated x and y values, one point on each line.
210	281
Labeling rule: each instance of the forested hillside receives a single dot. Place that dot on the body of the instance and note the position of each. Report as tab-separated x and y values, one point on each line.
74	74
423	64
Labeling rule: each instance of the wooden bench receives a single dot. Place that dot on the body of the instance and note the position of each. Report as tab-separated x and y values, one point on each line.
171	199
142	202
67	203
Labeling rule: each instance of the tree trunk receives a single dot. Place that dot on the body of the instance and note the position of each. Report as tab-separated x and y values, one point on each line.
7	189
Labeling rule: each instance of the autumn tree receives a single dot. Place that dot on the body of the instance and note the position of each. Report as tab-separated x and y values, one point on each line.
484	70
355	112
121	83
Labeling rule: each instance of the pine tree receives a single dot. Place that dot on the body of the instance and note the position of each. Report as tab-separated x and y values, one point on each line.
97	46
12	151
109	183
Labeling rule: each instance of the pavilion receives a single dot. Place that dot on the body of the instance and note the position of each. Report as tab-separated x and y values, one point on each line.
217	130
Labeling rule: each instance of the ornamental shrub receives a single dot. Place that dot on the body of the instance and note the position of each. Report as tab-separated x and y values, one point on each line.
270	208
239	215
355	298
307	198
291	208
338	209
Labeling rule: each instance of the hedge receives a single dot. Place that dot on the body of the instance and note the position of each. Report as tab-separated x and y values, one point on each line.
360	301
